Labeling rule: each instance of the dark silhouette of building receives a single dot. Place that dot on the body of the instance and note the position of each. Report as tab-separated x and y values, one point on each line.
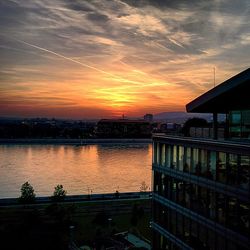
148	117
123	128
201	191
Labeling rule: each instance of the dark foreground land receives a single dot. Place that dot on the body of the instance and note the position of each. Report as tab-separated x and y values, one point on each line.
47	225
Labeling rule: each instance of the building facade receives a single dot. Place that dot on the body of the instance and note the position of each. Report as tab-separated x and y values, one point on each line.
123	128
201	187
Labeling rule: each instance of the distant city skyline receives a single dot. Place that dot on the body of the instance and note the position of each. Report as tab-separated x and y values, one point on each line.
81	59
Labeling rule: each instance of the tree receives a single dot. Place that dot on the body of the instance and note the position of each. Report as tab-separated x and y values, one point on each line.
59	193
193	122
27	193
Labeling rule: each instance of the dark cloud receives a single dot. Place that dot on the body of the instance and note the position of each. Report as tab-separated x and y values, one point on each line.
78	6
96	17
162	4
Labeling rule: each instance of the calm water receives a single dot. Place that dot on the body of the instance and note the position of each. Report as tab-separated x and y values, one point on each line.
100	168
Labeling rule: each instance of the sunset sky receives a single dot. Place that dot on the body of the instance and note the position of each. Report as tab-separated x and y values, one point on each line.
93	59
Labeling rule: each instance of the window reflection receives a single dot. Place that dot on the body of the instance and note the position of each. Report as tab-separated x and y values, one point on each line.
195	162
163	155
180	158
221	167
187	164
174	157
244	172
232	172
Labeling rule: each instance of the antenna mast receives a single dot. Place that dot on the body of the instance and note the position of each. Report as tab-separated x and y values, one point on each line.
214	76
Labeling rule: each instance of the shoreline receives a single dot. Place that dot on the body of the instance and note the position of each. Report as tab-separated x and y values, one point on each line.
77	142
81	198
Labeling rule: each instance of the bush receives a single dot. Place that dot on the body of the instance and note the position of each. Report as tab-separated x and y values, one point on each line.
27	193
193	122
59	193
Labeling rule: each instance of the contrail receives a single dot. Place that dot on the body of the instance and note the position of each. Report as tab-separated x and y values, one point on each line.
116	77
68	58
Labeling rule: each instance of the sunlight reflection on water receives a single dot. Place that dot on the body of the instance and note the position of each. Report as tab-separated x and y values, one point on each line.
100	168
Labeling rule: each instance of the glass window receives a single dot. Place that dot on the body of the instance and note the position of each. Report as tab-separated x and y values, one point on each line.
156	181
165	216
221	167
235	117
173	222
163	155
244	220
212	204
194	233
244	172
187	165
211	239
162	186
204	163
220	242
195	160
232	246
180	158
161	241
174	190
158	153
168	155
203	235
212	164
180	192
187	194
154	152
174	157
187	225
232	170
183	187
204	201
221	208
245	126
194	197
180	225
232	213
235	124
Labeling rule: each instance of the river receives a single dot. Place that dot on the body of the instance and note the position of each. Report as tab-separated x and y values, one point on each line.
99	168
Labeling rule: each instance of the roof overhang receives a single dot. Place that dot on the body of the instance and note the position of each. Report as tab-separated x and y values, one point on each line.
233	94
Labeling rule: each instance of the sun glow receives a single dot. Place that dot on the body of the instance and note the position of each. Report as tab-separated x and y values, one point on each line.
95	59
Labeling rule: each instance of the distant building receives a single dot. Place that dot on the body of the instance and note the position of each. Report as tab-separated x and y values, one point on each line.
123	128
148	117
201	187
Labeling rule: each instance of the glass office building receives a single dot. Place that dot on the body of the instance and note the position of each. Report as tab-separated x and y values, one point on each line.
201	187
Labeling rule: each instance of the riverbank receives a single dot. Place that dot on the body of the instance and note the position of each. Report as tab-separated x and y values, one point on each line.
77	142
83	198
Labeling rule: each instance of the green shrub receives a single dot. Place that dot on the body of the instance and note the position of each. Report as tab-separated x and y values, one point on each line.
27	194
59	193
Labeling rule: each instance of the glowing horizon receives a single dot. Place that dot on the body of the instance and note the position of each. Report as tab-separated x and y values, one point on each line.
101	59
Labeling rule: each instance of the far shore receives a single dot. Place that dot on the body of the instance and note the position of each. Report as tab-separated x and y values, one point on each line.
77	142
